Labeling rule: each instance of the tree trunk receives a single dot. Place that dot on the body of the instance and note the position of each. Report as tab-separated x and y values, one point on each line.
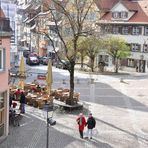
116	65
70	100
92	64
82	59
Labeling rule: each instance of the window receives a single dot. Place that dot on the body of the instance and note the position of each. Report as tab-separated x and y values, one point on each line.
67	31
125	30
92	16
115	15
123	15
115	30
1	117
2	95
136	30
146	31
135	47
107	29
145	48
1	130
1	100
131	63
120	15
2	59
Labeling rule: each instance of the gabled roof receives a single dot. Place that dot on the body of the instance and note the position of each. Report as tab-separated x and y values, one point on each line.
105	4
2	13
142	14
132	6
139	7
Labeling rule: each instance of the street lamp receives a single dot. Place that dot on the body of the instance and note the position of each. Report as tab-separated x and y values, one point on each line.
49	109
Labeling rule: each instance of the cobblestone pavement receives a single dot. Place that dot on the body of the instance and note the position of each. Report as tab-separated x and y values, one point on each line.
32	132
120	109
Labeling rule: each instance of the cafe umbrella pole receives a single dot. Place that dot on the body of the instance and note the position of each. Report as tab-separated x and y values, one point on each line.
47	140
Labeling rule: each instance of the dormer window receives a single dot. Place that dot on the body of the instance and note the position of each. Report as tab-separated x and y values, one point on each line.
120	15
115	15
124	14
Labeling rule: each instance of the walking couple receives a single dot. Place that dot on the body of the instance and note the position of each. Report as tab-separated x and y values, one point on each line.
82	123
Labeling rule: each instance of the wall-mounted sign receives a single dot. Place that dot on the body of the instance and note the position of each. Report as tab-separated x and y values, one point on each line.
41	77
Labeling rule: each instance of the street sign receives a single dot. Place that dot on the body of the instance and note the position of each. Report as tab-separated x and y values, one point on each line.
41	77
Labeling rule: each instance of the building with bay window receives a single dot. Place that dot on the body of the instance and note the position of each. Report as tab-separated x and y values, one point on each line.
127	19
5	35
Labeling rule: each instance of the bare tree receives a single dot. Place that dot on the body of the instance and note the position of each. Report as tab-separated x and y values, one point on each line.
70	18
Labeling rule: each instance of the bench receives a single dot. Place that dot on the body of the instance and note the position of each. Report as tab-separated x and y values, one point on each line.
67	106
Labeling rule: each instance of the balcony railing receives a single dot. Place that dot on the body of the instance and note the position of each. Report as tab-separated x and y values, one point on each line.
5	25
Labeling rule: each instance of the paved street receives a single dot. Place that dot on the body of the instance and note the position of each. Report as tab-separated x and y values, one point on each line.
120	109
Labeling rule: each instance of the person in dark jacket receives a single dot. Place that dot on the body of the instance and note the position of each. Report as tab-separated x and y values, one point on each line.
10	99
91	123
22	102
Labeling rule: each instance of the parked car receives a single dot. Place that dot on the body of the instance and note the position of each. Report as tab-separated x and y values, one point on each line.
44	60
62	64
33	54
32	60
26	53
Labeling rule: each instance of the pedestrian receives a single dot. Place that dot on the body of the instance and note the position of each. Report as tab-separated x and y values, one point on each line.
17	94
22	102
11	98
136	68
91	123
81	123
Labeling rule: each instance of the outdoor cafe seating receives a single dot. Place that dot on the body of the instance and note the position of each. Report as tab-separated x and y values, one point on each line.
37	97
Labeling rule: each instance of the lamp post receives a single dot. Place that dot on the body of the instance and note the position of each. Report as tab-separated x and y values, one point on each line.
49	108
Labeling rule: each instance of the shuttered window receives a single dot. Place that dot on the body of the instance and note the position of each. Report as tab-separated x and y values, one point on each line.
131	63
115	30
146	31
145	48
136	47
136	30
125	30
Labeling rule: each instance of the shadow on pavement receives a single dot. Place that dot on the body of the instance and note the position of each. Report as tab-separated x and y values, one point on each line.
125	131
33	135
106	95
99	144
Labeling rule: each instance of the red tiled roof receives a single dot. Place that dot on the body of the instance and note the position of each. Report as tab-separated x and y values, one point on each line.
2	13
105	4
130	5
142	14
140	7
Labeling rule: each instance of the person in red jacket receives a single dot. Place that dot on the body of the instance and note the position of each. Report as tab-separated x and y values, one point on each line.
81	123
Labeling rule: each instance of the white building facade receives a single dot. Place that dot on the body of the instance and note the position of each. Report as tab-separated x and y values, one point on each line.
128	19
